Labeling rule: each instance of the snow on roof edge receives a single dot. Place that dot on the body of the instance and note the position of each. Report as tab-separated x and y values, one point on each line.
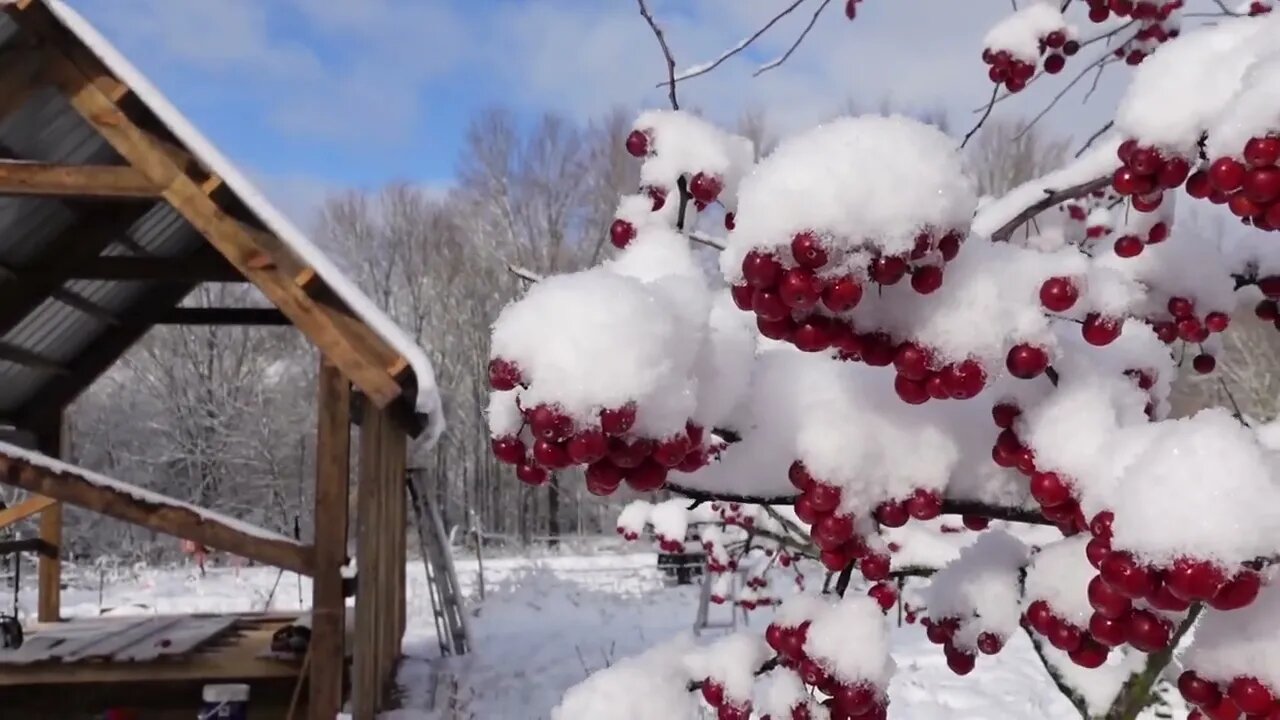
428	399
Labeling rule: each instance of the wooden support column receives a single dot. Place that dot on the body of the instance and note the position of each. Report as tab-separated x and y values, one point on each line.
328	615
49	569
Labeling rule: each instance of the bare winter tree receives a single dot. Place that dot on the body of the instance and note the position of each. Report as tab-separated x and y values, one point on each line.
1008	152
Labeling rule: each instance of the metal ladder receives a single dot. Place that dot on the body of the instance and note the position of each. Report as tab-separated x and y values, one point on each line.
452	630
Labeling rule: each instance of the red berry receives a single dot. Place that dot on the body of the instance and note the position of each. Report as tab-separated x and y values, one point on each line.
657	197
1106	600
1099	330
742	295
1197	690
760	270
884	594
799	476
1174	173
1090	654
1239	591
964	380
1199	186
1204	363
1123	573
1112	632
1054	63
912	361
503	374
1040	617
603	478
842	294
670	451
780	329
648	476
1226	174
924	505
888	270
1070	47
949	245
729	221
1262	185
975	523
1267	310
713	693
621	233
1065	636
616	421
1262	152
1004	415
1147	632
807	249
1217	322
550	424
1128	246
813	334
508	449
874	567
1058	294
850	12
1026	361
1049	490
926	279
705	188
1181	307
550	454
832	531
628	455
892	514
1147	202
638	143
912	392
1250	695
1145	161
960	662
768	305
990	643
800	289
532	475
824	498
588	446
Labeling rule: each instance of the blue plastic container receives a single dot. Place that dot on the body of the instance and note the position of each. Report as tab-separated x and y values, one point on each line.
224	702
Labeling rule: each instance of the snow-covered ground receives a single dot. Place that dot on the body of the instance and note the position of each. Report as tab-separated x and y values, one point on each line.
547	622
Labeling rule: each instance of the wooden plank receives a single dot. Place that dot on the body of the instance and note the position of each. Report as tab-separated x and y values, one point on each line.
88	307
328	619
182	522
100	182
179	640
126	267
23	510
348	342
104	646
49	438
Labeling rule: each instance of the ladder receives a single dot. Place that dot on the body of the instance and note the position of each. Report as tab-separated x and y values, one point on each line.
703	619
452	630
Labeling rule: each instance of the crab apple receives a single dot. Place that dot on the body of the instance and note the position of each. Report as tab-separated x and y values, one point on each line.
1204	363
960	662
888	270
761	270
884	594
975	523
912	392
621	233
892	514
1065	636
504	374
705	187
638	143
1147	632
508	449
1005	414
603	478
1111	632
588	446
1059	294
768	305
842	294
1226	174
1026	361
807	248
1049	489
629	453
1099	330
1262	185
924	504
832	531
800	289
616	421
1126	575
926	279
874	567
1238	592
670	451
1217	322
912	361
1250	695
1040	616
1128	246
532	474
648	476
799	476
1054	63
824	498
1197	690
990	643
1262	152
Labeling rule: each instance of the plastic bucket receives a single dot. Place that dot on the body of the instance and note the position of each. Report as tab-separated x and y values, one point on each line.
224	702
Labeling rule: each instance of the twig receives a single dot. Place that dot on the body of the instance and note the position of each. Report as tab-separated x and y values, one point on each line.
991	104
775	63
705	68
1097	76
666	53
1136	692
1067	691
1094	137
1235	407
705	239
768	665
524	273
1099	62
1051	198
842	583
682	186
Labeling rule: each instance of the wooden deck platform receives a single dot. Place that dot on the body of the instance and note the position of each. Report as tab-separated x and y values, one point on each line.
67	669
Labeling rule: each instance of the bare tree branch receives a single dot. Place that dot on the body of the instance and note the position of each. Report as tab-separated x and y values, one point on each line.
666	53
775	63
1052	198
705	239
705	68
1094	137
990	105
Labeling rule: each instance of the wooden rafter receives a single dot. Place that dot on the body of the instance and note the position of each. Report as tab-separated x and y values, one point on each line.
219	316
89	86
26	358
84	239
73	299
24	510
151	269
182	522
102	182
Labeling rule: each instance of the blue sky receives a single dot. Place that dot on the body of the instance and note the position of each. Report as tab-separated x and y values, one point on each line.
313	96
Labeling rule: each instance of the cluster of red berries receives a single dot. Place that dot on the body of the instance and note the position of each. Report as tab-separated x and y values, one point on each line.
846	700
1058	502
1145	380
921	505
1078	643
1250	189
1146	174
885	595
1244	694
1059	294
1080	209
942	631
920	379
834	533
1014	73
611	453
1145	10
789	298
732	513
726	708
1052	492
1132	244
1184	324
704	188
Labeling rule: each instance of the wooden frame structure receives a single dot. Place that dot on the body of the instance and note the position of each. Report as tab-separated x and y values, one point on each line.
126	215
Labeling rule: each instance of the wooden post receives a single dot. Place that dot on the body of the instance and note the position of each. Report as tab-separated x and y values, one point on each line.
49	600
328	612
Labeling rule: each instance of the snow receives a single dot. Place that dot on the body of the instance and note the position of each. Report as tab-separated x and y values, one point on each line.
684	144
1243	642
731	662
980	588
860	183
634	517
1253	111
141	495
670	519
428	397
1180	92
1059	574
1020	33
850	639
655	675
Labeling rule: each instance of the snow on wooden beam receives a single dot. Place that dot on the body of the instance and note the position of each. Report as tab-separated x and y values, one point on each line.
51	478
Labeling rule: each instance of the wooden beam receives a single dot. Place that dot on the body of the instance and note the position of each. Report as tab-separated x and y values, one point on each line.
100	182
84	239
48	435
23	510
151	269
348	342
26	358
175	520
35	545
73	299
218	316
328	617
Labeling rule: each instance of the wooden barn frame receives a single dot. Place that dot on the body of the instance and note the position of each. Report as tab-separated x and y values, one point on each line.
112	209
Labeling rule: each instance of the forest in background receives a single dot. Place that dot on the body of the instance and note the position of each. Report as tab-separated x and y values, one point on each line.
224	417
